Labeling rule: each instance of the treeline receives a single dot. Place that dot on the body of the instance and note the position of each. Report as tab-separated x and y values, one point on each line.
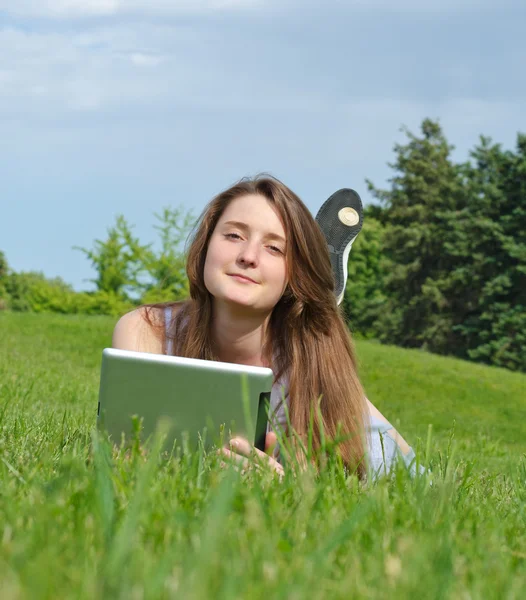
129	273
439	265
441	261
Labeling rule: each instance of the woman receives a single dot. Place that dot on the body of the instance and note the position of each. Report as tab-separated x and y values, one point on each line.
262	293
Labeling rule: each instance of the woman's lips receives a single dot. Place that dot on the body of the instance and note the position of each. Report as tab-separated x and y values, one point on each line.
242	278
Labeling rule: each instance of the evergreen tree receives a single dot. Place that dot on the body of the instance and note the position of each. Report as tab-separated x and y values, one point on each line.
368	266
455	238
492	250
426	190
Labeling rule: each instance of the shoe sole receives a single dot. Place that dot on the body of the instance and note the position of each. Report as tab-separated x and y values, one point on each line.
340	219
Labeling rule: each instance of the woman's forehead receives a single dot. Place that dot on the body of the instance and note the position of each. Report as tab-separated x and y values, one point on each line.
256	212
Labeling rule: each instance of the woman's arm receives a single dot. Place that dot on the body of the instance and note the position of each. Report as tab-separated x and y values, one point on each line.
392	433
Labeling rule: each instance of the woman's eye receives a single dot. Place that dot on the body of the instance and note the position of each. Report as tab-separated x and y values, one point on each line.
236	236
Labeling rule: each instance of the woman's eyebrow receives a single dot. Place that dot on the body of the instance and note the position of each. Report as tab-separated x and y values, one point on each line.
245	227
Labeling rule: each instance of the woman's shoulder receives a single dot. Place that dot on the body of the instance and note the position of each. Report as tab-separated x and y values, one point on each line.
142	329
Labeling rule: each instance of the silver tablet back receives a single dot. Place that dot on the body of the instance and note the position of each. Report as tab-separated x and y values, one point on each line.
194	394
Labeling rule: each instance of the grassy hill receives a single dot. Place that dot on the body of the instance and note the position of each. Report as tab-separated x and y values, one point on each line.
483	407
79	521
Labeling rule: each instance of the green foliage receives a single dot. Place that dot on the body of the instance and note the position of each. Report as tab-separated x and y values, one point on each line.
4	270
33	292
128	273
4	267
491	239
368	266
118	260
456	248
425	190
82	520
131	270
100	303
166	268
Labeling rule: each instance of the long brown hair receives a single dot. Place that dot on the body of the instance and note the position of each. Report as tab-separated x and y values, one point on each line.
306	338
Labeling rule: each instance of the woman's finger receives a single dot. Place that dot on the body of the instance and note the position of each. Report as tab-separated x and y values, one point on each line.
234	456
243	447
239	461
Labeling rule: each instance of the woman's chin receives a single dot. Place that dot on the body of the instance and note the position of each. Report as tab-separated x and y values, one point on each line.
244	302
240	302
241	299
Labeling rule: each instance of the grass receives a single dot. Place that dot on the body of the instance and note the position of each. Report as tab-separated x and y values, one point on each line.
78	521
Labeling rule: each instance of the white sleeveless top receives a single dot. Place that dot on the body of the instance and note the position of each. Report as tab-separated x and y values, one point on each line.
383	451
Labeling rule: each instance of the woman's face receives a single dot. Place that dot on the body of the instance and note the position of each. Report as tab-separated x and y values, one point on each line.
245	261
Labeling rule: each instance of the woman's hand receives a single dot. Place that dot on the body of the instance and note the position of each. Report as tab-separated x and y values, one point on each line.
243	453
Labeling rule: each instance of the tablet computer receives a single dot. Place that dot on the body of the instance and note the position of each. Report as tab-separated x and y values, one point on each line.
195	395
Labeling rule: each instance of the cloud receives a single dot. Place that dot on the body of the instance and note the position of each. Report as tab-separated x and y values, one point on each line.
122	69
78	9
140	70
66	9
47	74
429	6
59	8
145	60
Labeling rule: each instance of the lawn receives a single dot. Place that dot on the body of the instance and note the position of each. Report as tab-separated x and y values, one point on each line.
80	521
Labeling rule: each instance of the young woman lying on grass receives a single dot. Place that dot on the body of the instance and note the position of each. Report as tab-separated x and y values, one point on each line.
262	293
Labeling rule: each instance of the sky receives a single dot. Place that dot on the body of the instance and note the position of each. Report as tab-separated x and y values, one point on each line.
112	107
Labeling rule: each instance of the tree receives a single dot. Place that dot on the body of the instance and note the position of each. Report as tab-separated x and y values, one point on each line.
4	267
131	270
365	297
167	268
118	261
455	238
426	191
4	271
492	248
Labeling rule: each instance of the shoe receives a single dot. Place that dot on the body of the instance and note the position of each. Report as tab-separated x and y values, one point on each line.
340	219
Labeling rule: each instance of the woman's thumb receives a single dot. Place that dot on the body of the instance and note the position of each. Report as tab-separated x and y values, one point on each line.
270	442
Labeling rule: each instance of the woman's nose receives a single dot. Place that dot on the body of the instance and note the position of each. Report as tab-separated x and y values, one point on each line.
248	254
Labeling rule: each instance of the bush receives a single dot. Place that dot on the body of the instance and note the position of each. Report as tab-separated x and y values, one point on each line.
100	303
33	292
